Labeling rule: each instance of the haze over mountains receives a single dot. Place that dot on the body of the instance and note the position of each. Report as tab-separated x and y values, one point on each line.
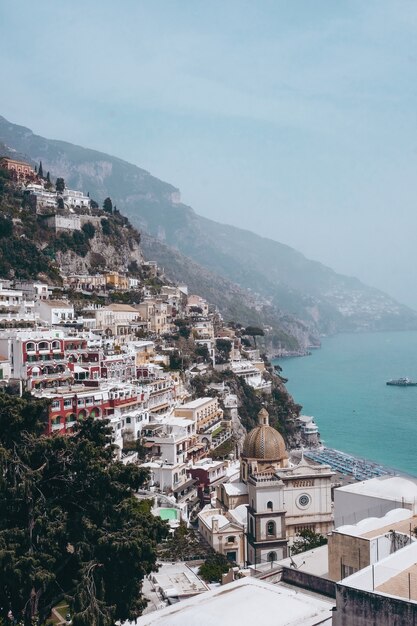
270	280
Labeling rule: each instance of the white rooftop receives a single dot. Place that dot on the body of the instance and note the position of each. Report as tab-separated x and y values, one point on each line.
373	523
313	561
244	602
240	514
236	489
196	404
385	487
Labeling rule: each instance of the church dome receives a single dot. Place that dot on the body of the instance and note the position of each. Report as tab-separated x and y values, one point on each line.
264	442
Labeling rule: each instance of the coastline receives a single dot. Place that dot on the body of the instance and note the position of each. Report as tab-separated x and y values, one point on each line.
352	466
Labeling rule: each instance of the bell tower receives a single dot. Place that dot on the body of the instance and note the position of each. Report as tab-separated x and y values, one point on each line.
266	531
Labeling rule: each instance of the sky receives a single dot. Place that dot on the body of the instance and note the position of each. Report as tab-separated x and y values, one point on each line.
296	119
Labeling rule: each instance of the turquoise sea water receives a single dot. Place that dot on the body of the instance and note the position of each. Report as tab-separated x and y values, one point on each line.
343	386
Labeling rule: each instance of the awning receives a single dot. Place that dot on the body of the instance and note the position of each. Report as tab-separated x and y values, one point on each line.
79	370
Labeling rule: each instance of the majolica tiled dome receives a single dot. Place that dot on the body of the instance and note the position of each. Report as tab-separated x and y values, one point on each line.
264	442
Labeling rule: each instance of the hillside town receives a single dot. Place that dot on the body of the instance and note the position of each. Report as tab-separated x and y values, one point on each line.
191	399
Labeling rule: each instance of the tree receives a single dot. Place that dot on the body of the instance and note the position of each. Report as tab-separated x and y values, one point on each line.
214	567
48	177
40	170
108	205
60	185
89	230
254	331
307	539
223	347
60	203
70	525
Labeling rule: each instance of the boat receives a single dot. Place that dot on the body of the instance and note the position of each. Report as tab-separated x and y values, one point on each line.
402	382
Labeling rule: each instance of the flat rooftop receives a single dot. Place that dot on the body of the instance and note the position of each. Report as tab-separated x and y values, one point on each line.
244	602
403	585
384	487
178	580
195	404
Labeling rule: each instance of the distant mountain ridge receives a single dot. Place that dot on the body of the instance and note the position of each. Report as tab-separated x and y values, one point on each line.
278	278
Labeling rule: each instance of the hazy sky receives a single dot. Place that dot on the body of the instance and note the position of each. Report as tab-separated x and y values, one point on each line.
295	119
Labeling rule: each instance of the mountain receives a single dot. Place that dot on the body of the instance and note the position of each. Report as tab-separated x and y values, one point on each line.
271	276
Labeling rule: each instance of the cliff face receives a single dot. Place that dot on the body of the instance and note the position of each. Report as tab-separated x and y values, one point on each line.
316	298
30	247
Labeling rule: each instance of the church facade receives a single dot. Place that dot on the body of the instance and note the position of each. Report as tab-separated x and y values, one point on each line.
282	499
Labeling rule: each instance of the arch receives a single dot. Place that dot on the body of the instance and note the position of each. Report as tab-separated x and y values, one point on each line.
272	556
71	417
43	345
95	412
270	505
271	529
82	414
30	346
55	345
56	420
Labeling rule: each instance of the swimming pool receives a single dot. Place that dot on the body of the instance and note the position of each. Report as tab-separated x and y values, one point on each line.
167	513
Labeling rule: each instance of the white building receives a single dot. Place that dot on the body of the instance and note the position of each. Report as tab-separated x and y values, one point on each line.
55	311
373	498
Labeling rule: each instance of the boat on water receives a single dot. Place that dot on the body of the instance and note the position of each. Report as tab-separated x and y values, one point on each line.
402	382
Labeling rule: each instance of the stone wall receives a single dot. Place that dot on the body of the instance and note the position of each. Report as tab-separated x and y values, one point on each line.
364	608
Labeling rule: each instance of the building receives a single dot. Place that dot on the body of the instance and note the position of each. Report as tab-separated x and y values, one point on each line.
373	498
55	312
14	307
263	449
64	223
382	594
354	547
75	199
212	429
266	531
114	280
19	169
225	535
309	430
116	318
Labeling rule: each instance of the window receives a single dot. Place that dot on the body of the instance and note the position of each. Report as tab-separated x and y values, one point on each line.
230	539
251	526
347	570
272	556
270	506
270	529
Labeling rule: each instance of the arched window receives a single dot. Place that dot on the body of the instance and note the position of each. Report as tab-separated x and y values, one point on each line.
231	539
270	529
269	505
43	345
272	556
30	346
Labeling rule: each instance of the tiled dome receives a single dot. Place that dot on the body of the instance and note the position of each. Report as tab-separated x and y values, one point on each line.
264	442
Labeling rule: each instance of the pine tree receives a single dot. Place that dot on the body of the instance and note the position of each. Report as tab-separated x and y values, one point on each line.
48	178
108	205
40	171
70	523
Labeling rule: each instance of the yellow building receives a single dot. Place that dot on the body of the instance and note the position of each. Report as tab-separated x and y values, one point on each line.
114	280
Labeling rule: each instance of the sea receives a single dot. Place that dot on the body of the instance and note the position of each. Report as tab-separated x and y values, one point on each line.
343	385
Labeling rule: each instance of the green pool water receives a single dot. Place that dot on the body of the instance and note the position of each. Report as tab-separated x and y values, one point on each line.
167	514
